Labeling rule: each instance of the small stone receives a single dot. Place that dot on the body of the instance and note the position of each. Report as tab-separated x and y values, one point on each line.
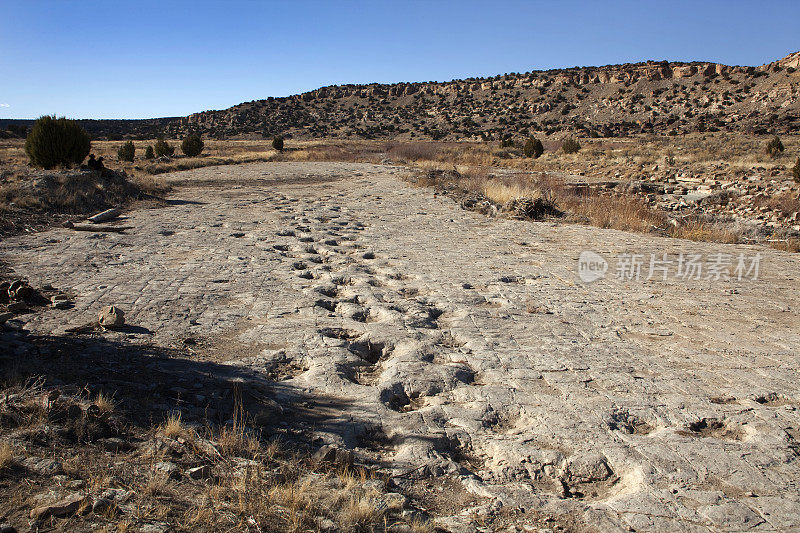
326	524
117	495
168	468
5	317
395	501
19	290
155	527
74	411
16	307
43	467
199	472
66	507
333	455
59	301
589	468
101	505
111	317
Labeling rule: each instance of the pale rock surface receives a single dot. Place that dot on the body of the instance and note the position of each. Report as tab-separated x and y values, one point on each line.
431	356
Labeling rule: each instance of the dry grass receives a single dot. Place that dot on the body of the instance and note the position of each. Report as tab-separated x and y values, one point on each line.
501	193
604	209
157	485
173	427
6	456
255	485
235	439
786	203
600	159
611	211
104	403
705	231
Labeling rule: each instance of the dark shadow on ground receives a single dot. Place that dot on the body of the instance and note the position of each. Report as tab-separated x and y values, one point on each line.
148	383
177	201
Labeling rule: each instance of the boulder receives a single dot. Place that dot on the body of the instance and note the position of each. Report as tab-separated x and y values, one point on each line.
333	455
111	317
66	507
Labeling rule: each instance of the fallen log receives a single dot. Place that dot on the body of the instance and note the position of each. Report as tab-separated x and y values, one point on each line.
105	216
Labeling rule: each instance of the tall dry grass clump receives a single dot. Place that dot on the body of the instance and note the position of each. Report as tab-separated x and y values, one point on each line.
613	212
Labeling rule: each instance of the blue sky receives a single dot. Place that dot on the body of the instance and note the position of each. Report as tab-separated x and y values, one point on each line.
140	59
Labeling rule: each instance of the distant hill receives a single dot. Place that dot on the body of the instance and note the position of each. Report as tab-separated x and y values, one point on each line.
655	96
108	128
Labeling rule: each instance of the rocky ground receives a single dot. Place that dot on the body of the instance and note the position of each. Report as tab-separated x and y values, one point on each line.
759	200
608	101
460	356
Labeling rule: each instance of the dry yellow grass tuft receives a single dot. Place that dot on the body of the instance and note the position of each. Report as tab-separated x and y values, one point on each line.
501	193
104	403
360	511
615	212
6	456
235	440
704	231
157	485
173	427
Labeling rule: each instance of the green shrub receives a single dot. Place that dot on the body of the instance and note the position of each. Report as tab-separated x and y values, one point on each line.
126	151
796	170
163	148
149	153
18	129
570	146
775	147
57	142
533	148
192	145
277	143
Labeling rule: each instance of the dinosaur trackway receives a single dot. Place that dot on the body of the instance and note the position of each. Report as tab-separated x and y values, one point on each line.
436	342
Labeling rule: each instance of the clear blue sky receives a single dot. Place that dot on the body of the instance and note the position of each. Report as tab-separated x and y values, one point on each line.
139	59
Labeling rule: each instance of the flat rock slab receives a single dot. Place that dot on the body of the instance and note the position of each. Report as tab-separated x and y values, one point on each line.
436	342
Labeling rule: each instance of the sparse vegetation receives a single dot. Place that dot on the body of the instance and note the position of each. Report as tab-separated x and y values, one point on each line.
6	456
126	151
192	145
533	148
775	147
57	142
104	404
18	130
163	148
277	143
149	153
245	482
570	146
173	427
796	170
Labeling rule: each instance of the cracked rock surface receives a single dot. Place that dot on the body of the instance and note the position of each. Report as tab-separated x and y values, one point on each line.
433	341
